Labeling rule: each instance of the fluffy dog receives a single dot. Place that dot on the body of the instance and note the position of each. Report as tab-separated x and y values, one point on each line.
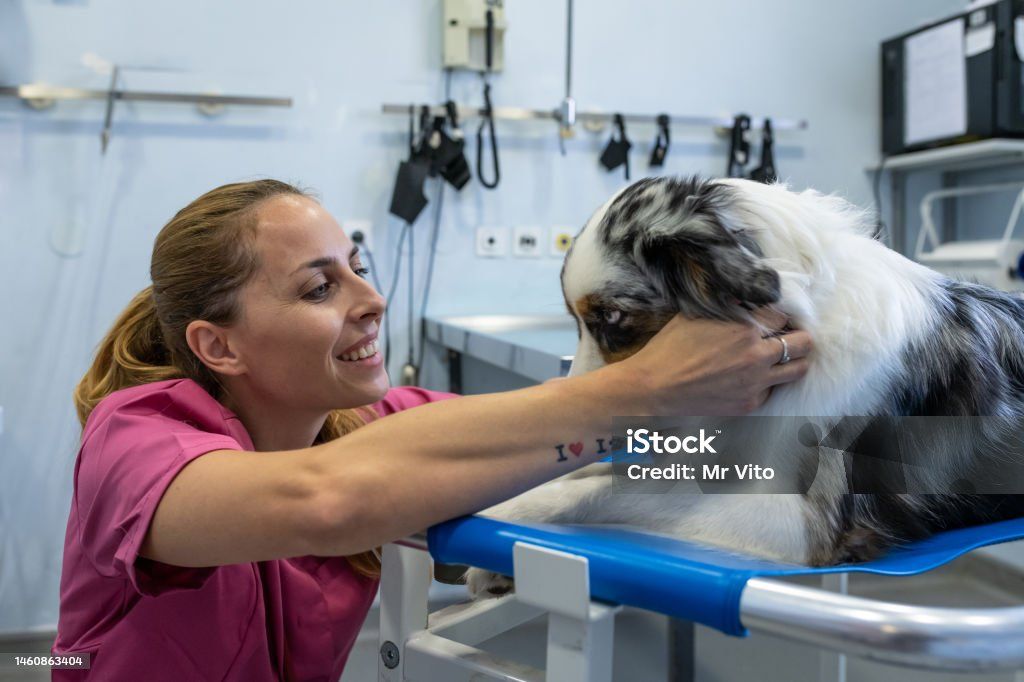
891	338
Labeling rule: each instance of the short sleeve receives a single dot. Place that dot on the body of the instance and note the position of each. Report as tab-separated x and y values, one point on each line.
407	397
125	466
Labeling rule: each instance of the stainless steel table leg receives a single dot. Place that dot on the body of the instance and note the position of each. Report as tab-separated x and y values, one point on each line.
681	644
454	371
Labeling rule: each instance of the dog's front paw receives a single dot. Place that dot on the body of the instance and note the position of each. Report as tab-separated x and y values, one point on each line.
483	584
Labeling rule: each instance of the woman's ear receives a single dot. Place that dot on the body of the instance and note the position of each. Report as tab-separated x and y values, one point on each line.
211	343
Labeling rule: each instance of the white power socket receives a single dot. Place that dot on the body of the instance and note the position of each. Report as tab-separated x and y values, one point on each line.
527	241
491	242
361	225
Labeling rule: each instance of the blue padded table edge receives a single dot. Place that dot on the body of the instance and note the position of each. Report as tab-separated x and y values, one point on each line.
675	577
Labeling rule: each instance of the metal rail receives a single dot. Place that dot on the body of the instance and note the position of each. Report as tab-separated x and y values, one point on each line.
44	94
901	634
522	114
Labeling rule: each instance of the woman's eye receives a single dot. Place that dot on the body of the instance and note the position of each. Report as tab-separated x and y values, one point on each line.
362	272
318	293
612	316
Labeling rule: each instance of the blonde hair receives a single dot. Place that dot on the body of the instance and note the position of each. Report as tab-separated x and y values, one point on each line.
201	259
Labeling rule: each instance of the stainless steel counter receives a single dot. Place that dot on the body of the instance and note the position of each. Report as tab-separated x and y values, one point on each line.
538	347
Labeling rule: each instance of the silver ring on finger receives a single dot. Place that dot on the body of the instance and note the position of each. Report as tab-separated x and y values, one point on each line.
784	358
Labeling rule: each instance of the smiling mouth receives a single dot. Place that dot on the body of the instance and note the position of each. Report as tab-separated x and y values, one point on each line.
367	351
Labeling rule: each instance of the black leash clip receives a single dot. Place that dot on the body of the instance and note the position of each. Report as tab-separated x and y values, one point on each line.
445	151
616	152
455	169
739	147
407	198
661	142
766	172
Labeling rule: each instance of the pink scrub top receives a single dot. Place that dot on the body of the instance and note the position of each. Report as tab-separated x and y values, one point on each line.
287	619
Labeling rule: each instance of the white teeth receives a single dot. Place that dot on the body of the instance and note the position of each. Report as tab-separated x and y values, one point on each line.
365	352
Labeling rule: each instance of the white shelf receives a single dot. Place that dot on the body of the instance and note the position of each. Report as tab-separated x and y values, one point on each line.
983	154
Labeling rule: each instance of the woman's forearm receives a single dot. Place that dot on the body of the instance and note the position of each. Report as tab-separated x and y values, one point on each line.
416	468
422	466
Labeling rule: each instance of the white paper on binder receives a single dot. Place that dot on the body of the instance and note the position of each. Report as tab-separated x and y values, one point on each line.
980	39
935	84
1018	37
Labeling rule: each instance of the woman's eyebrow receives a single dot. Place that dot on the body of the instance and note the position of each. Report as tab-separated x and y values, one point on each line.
317	263
325	261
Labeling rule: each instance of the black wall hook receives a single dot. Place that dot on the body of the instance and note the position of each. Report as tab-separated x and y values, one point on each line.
616	152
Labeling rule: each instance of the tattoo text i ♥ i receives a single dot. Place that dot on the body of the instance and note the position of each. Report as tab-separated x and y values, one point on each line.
577	449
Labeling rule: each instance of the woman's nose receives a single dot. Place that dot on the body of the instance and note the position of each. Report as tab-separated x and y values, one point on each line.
368	303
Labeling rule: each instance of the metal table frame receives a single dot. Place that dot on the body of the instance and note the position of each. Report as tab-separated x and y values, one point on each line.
417	645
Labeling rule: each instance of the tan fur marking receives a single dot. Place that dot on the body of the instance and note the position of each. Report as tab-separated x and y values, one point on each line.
699	277
618	356
645	325
584	304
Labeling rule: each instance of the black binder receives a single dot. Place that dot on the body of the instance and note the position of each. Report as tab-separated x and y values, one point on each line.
993	55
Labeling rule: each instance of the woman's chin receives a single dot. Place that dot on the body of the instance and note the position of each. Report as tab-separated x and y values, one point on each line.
366	392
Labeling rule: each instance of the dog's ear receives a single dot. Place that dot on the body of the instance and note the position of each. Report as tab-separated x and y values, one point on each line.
684	237
707	269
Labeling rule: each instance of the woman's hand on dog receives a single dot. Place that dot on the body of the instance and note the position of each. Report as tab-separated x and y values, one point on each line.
707	367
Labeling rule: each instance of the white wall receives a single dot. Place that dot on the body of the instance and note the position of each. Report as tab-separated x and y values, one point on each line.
340	61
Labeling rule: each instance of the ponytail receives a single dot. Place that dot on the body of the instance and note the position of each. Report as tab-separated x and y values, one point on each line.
132	353
339	423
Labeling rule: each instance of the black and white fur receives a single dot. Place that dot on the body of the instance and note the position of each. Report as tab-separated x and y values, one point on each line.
891	337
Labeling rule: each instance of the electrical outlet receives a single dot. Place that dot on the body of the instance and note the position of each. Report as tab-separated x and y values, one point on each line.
561	240
527	242
362	226
491	242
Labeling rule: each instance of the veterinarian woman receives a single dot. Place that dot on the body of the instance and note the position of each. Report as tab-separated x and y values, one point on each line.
221	529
